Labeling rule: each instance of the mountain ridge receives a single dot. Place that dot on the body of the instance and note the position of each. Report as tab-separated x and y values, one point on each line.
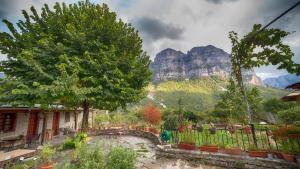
200	61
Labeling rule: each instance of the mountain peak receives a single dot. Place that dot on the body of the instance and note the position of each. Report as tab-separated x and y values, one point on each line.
200	61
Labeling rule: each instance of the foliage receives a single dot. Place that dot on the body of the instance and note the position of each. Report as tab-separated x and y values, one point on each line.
274	105
191	116
71	143
171	120
152	114
231	106
30	164
77	54
289	116
46	154
188	138
121	158
260	47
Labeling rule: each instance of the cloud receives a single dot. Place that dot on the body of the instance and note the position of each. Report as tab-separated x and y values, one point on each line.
220	1
155	29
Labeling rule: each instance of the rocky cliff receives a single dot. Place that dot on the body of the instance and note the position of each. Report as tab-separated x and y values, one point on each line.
200	61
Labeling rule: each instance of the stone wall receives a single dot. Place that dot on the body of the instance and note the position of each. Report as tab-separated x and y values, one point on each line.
138	133
224	160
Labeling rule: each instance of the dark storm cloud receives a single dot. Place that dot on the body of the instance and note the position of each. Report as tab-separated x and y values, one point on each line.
156	29
5	6
220	1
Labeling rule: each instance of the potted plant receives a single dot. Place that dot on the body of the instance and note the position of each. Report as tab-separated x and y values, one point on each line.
46	156
275	153
247	130
181	129
253	151
286	153
206	146
230	149
187	142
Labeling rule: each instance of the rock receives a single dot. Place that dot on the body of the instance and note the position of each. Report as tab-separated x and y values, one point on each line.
170	64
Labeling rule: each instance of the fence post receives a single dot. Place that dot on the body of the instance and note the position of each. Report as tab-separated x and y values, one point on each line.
253	134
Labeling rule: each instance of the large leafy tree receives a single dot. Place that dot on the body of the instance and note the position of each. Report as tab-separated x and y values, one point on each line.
260	47
76	55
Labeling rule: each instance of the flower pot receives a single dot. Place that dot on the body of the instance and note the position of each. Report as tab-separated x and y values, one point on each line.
277	154
186	146
181	129
46	166
288	157
212	130
232	151
247	130
146	128
295	136
209	148
261	154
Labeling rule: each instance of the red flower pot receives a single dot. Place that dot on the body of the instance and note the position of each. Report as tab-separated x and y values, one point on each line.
261	154
181	129
186	146
288	157
295	136
46	166
232	151
209	148
277	154
247	130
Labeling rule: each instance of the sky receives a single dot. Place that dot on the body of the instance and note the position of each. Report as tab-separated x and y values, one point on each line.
184	24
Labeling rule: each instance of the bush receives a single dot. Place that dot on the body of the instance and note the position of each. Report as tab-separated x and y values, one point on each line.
171	122
121	158
46	154
289	116
152	114
72	143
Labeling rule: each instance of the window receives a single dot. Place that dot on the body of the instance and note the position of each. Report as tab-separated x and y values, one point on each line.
7	122
67	116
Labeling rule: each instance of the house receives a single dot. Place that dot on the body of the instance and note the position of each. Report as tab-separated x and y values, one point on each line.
36	124
294	96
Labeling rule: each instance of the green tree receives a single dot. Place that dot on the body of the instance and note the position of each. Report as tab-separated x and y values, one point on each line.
275	105
260	47
76	55
231	107
289	116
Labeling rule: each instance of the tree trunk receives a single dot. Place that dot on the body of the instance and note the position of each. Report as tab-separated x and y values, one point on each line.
85	117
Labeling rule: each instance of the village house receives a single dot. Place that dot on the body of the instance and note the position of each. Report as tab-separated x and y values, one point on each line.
24	126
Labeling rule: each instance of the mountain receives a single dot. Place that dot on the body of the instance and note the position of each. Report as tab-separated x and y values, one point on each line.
202	61
282	81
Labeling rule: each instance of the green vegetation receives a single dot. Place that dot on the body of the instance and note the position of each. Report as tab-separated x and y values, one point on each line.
86	157
71	143
46	154
77	55
198	95
121	158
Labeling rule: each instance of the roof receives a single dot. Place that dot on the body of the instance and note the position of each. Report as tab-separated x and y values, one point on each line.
291	96
294	86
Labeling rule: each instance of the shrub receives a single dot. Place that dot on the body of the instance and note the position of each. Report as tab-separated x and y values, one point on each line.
121	158
46	154
171	122
72	143
152	114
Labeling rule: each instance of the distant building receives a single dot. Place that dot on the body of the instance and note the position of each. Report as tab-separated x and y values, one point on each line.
294	96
